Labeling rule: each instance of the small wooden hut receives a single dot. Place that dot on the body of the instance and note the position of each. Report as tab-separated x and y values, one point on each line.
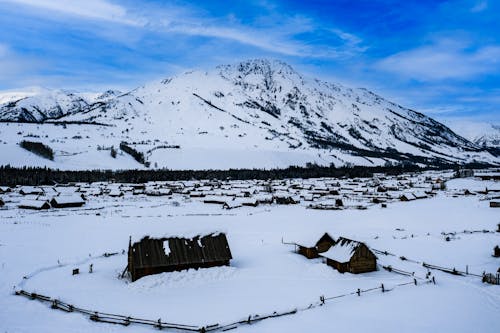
5	189
495	204
496	251
348	255
322	245
157	255
34	204
67	201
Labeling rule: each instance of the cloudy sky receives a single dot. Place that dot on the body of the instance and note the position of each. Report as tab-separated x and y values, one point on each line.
439	57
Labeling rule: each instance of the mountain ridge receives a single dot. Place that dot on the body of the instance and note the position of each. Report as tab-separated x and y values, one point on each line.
262	105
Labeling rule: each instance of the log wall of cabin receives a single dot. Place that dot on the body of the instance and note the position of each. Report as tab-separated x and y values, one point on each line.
363	260
308	252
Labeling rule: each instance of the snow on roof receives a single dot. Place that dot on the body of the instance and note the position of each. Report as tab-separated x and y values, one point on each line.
38	204
67	199
341	251
188	234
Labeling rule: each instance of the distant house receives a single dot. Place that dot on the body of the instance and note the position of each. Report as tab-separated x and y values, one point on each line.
348	255
464	173
496	251
5	189
283	199
495	204
412	196
115	193
30	190
322	245
34	204
158	192
157	255
231	204
66	201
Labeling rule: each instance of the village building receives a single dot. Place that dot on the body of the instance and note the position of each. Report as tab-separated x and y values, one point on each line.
115	193
495	204
496	251
30	190
351	256
158	255
322	245
67	201
283	199
5	189
34	204
464	173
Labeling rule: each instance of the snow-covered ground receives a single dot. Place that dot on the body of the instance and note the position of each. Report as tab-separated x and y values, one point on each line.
265	275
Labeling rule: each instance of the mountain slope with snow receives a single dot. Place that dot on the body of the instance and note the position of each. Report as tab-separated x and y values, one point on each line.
256	113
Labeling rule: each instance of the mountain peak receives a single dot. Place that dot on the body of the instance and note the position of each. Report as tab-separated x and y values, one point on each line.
259	66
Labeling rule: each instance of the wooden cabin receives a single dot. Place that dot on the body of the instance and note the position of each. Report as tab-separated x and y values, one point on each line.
67	201
157	255
30	190
5	189
351	256
496	251
284	200
34	204
322	245
464	173
495	204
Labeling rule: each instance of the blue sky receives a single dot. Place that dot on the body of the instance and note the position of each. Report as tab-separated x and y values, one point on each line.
439	57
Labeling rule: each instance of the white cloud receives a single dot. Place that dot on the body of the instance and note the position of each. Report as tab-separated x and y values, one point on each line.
443	60
90	9
277	35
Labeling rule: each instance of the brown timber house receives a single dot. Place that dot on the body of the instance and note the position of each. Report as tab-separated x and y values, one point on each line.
157	255
351	256
322	245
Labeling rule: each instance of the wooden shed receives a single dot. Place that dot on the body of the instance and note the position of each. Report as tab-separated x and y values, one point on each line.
34	204
158	255
66	201
495	204
322	245
5	189
348	255
496	251
30	190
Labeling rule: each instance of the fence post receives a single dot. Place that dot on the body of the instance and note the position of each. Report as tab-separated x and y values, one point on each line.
358	292
382	286
415	281
159	324
322	299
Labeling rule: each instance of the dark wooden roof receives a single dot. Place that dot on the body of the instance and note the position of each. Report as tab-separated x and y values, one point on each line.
150	252
326	238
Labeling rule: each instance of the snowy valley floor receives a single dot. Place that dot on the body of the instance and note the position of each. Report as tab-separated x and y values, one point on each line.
265	275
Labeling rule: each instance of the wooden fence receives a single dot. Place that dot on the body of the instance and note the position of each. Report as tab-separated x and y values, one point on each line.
109	318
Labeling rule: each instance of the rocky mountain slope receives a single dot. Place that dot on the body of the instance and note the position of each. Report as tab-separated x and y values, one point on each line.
257	113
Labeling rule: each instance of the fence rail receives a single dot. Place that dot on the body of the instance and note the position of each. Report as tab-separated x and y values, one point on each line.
159	324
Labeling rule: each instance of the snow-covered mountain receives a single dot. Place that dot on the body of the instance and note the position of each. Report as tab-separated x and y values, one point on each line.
257	113
489	137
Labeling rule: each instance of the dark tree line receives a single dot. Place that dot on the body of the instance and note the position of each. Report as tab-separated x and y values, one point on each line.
43	176
38	148
137	155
